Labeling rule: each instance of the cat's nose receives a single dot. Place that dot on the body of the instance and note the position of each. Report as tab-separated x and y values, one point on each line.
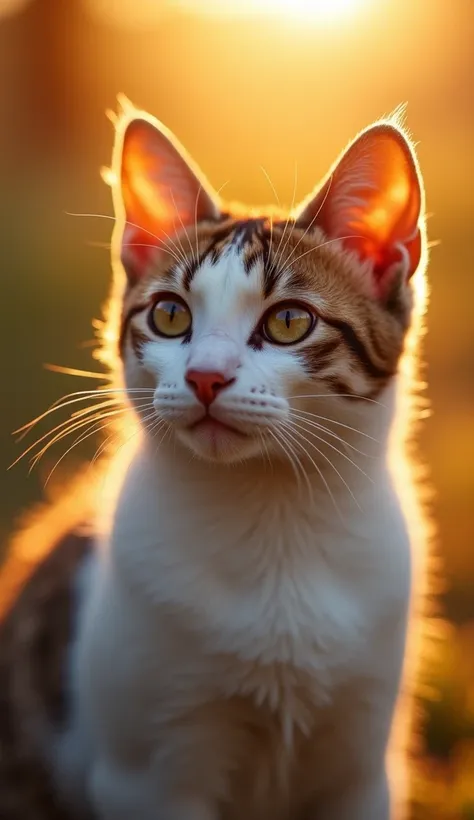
206	384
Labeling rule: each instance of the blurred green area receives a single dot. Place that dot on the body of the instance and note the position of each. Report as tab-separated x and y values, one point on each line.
241	94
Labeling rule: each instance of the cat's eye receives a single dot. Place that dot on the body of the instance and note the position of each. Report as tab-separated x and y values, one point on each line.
288	323
170	316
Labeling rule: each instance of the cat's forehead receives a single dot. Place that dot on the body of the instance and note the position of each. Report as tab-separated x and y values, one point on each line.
227	280
248	258
230	258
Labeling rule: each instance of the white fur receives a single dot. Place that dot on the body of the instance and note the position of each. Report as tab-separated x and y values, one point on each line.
228	585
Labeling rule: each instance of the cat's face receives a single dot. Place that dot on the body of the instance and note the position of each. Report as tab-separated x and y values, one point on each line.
237	324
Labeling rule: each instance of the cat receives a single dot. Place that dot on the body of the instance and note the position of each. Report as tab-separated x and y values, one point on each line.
230	636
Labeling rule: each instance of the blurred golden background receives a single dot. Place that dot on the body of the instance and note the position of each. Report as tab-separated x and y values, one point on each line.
244	84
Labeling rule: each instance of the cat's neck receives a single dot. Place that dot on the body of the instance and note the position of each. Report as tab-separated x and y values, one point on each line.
162	493
178	520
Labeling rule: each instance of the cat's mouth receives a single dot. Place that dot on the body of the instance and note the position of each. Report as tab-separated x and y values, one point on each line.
211	424
220	439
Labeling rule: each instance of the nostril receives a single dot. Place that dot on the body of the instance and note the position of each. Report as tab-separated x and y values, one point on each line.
217	386
207	384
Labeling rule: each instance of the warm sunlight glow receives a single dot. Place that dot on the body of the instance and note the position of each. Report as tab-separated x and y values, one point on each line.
317	10
151	12
307	9
127	13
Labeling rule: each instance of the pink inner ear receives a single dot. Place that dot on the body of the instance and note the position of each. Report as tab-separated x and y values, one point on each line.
161	191
372	201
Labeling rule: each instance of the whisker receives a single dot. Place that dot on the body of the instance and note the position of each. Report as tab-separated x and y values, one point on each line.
154	426
58	427
95	430
76	442
336	396
72	429
28	427
267	177
114	219
196	256
326	458
177	257
92	426
266	452
81	395
323	244
333	447
285	425
270	244
329	432
277	257
161	246
102	447
338	423
282	264
293	458
288	261
67	427
219	190
85	410
126	441
117	435
179	250
178	239
166	432
100	391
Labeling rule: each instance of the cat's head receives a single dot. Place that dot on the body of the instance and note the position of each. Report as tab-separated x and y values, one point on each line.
238	323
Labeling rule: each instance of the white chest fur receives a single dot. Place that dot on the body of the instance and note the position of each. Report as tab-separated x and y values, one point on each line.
242	585
235	599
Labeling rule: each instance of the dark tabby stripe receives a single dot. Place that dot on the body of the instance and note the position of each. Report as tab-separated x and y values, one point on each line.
318	356
357	346
252	259
340	388
273	268
212	252
126	321
252	236
138	339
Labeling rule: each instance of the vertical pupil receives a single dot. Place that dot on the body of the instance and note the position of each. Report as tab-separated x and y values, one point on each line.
287	318
172	311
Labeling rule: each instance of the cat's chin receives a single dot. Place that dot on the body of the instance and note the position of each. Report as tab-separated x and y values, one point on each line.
217	442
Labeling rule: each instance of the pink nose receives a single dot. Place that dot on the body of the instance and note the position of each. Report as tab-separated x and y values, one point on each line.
207	384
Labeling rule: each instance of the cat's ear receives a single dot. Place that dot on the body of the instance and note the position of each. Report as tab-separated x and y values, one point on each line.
158	191
372	201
